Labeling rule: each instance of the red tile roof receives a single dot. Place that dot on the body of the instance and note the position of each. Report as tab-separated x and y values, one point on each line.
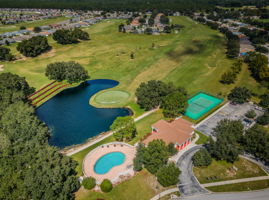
178	131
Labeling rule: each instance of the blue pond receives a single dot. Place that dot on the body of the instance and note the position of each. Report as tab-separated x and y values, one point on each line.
108	161
70	117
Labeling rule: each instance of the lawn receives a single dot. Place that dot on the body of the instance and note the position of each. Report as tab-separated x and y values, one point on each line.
202	138
16	27
222	171
239	187
142	186
194	58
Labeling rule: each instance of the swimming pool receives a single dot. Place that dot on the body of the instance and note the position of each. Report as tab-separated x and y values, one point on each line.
200	104
108	161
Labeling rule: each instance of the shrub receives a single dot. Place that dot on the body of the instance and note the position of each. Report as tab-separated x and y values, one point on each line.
251	114
264	119
89	183
202	158
168	175
106	185
34	46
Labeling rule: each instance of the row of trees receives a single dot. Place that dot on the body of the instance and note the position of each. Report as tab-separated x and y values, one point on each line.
30	168
154	158
65	36
154	93
230	76
71	71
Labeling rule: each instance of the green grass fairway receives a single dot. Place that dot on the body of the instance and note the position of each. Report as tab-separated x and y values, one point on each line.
223	171
108	98
142	186
194	58
239	187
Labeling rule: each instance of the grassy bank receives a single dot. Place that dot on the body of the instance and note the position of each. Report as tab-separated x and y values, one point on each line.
239	187
222	171
143	186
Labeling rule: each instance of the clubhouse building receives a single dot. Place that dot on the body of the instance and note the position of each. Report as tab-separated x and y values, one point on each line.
179	132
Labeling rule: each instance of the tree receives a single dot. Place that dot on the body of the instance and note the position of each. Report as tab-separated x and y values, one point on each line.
229	134
264	119
174	104
149	95
228	77
132	56
256	142
80	34
64	36
171	149
22	28
239	95
155	156
34	46
13	88
71	71
89	183
5	54
202	158
164	19
138	160
124	128
258	65
106	185
251	114
264	101
168	175
37	29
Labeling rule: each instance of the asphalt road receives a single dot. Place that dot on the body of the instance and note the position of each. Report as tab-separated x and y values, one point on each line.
189	185
253	195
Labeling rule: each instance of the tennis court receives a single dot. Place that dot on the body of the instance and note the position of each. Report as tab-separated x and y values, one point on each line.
200	104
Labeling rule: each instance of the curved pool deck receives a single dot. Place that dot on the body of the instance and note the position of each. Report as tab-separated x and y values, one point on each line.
116	173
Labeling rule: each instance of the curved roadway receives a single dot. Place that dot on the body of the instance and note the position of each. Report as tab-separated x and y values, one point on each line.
189	185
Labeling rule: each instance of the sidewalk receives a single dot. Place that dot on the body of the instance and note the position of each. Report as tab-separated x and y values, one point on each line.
259	178
94	141
166	192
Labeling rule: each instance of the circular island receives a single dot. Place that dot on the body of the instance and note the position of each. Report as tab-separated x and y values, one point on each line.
113	161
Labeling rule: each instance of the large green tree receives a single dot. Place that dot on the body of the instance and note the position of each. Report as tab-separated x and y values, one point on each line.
168	175
155	156
202	158
71	71
124	128
174	104
5	54
34	46
239	95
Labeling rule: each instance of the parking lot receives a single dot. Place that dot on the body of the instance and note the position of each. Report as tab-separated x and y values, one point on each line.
229	111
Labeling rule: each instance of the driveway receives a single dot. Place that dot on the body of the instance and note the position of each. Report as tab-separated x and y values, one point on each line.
188	183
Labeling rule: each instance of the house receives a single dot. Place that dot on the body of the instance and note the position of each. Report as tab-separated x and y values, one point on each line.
135	21
179	132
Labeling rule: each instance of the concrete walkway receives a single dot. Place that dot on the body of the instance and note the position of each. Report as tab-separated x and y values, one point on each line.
75	150
164	193
259	178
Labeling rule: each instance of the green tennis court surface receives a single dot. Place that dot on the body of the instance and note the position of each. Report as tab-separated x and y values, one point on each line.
200	104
